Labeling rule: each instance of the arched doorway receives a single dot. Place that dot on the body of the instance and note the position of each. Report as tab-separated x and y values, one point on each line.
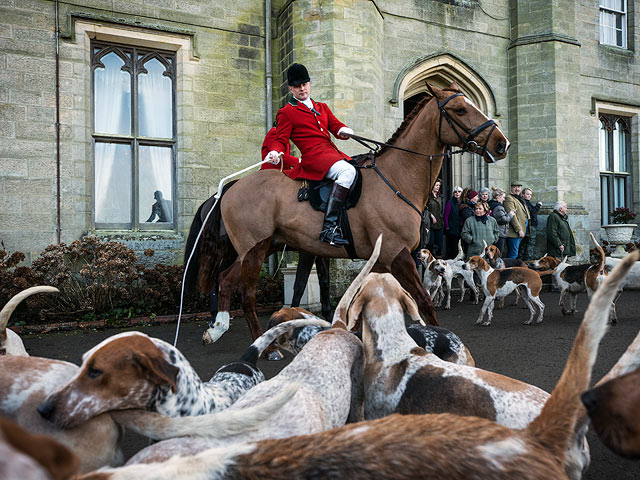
466	170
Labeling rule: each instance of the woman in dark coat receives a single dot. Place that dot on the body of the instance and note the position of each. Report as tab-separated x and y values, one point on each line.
451	220
434	205
469	200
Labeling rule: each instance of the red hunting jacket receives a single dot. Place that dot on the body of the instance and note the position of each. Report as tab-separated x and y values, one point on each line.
288	161
310	132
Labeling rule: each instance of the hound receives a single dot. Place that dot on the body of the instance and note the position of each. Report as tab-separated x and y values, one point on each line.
433	273
10	342
329	372
444	343
544	264
26	381
431	446
613	410
454	270
402	378
595	275
500	283
33	457
492	255
612	405
134	371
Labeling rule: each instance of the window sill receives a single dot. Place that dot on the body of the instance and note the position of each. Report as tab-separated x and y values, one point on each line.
127	235
616	50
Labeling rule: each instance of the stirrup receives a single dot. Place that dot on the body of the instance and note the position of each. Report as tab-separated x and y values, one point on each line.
333	236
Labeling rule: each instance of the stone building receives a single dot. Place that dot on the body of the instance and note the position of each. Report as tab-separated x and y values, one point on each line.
108	102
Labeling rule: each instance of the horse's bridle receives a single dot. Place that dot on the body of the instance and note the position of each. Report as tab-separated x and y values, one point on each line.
468	144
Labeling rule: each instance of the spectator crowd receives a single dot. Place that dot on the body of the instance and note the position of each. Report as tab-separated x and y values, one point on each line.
492	216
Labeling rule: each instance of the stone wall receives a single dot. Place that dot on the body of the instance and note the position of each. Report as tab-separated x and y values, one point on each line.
220	105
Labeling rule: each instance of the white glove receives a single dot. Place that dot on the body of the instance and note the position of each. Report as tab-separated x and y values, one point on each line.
273	157
345	132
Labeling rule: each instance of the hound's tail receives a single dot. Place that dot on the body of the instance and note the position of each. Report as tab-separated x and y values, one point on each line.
11	305
214	253
220	424
267	338
555	426
602	258
340	314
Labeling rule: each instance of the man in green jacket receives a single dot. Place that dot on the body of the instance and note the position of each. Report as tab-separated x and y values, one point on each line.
518	224
560	241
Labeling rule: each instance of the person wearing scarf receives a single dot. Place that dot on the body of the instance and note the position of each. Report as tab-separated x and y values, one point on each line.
479	227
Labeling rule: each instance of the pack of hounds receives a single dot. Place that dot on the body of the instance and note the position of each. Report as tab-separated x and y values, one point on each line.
389	400
499	277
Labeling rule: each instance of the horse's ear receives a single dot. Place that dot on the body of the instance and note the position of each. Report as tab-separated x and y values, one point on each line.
454	86
432	90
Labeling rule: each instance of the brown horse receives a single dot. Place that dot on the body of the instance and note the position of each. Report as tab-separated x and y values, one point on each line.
260	213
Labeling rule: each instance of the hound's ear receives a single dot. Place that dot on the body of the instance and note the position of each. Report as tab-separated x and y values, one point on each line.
158	370
354	312
410	307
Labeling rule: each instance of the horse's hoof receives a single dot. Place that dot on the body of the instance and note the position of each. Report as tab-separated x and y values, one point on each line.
274	356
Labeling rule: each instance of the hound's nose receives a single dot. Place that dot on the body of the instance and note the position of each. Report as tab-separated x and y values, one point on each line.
46	409
501	147
590	400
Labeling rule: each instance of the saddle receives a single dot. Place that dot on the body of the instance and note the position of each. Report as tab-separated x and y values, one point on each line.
317	192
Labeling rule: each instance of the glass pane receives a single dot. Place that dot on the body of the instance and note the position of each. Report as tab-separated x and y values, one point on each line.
604	198
622	149
603	146
156	182
112	108
113	183
616	147
619	192
155	101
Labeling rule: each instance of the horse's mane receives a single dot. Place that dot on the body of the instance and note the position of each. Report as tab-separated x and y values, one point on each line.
403	126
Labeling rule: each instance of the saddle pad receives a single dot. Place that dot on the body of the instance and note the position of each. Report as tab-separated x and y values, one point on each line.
319	192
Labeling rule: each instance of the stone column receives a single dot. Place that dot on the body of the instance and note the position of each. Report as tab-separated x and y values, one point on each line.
544	71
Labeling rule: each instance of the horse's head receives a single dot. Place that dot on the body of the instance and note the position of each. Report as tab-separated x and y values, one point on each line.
462	124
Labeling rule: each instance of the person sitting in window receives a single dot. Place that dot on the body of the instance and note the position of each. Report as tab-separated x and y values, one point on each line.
161	209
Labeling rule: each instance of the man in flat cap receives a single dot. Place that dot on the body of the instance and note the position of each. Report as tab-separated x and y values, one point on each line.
518	224
308	124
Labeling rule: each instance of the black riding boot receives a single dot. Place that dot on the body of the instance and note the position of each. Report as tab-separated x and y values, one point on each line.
331	232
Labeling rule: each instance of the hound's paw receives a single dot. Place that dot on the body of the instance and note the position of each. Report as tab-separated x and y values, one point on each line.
486	324
274	356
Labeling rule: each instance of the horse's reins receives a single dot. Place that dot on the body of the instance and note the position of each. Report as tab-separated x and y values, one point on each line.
467	143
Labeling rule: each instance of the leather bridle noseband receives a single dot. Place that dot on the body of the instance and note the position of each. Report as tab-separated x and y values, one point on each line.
468	144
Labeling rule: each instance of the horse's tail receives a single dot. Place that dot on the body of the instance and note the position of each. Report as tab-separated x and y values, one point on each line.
216	253
191	277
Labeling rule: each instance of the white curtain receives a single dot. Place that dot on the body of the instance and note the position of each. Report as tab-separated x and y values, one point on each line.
112	90
112	183
155	105
155	174
112	115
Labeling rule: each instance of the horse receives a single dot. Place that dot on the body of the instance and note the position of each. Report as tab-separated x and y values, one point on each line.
303	271
258	213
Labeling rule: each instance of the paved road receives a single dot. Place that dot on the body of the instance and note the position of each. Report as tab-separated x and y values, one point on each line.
534	354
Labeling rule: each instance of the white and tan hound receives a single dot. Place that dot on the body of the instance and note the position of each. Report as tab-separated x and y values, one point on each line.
134	371
500	283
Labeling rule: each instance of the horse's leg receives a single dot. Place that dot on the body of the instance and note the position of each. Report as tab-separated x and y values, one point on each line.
228	279
404	269
213	303
322	267
305	264
249	276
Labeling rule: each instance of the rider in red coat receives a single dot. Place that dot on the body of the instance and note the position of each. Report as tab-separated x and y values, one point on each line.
309	124
288	160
